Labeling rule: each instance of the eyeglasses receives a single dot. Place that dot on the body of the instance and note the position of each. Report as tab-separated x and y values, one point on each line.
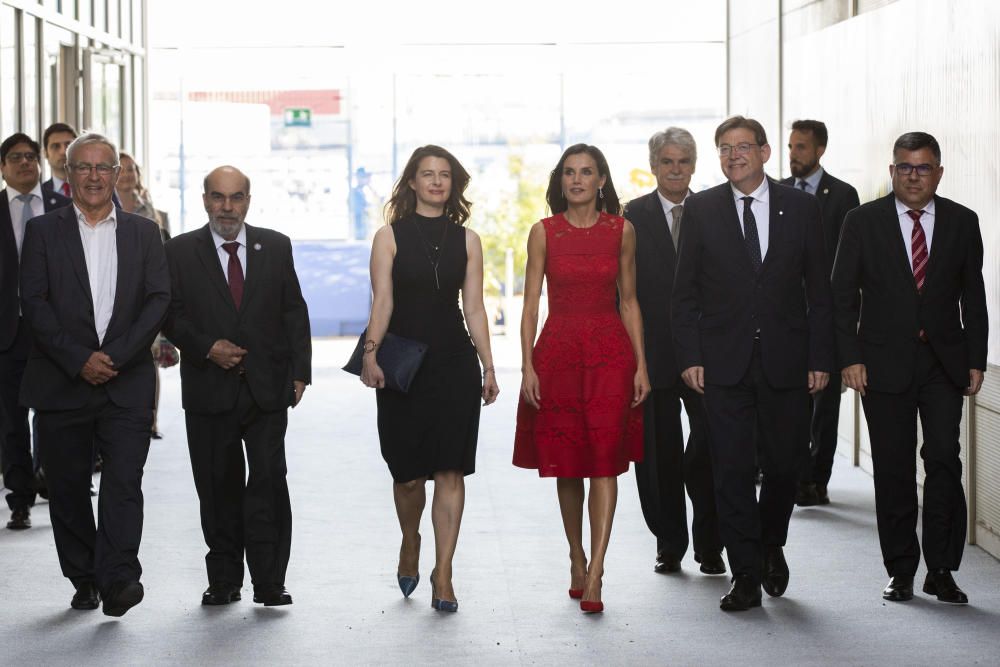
84	168
22	157
739	149
236	198
905	168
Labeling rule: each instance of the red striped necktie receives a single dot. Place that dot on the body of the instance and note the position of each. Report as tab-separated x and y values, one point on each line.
918	250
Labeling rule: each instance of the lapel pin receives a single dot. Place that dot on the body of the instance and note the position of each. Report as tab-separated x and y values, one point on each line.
781	212
257	246
52	201
826	191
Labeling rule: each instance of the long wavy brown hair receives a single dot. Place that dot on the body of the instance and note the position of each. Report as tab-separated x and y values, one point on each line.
403	202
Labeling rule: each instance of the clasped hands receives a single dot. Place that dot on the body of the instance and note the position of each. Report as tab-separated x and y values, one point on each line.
227	355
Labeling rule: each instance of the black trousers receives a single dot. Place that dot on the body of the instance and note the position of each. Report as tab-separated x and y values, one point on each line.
15	436
241	513
892	427
668	467
108	552
825	419
746	524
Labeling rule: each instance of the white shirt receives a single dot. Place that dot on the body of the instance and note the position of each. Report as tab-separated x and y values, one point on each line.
906	227
668	208
57	184
812	182
16	207
761	208
241	252
100	250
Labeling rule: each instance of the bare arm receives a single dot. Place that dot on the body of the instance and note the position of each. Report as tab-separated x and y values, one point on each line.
629	308
380	270
475	313
534	272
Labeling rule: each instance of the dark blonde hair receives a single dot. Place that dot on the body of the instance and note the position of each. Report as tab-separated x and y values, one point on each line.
403	202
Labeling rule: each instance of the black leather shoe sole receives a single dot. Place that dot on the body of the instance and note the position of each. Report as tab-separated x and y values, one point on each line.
273	600
123	599
955	596
734	603
711	564
86	599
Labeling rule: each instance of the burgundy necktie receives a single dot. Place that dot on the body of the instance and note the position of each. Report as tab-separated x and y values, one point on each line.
65	189
235	272
918	250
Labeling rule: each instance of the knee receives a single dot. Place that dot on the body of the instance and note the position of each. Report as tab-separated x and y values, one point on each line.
449	479
412	486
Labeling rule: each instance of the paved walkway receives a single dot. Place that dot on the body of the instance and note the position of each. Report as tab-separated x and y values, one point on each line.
511	572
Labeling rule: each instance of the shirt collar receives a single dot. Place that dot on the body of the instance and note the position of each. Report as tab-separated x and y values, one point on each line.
12	193
902	208
57	183
241	237
111	217
761	194
813	180
669	205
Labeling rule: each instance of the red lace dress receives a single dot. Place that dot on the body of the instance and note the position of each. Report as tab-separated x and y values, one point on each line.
585	426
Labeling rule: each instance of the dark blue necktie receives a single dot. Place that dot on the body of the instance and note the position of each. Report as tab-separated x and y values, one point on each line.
750	234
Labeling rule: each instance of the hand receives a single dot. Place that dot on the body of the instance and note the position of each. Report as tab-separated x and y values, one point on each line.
529	388
818	381
855	376
975	382
226	354
694	377
300	388
98	369
640	387
490	388
371	372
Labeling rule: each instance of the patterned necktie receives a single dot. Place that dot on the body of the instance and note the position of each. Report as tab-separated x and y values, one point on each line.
675	232
26	214
918	250
750	234
803	185
235	272
65	189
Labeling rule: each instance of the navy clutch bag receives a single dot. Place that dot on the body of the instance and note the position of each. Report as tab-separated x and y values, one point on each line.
398	357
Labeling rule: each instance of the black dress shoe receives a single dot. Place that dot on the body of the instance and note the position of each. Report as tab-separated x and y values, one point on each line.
86	596
121	597
806	495
774	577
666	563
156	435
20	519
899	589
711	563
940	583
217	594
743	595
275	596
821	496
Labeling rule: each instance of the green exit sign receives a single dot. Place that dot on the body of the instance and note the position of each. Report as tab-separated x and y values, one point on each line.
298	118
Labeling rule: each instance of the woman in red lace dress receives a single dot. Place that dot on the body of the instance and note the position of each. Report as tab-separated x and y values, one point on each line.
583	381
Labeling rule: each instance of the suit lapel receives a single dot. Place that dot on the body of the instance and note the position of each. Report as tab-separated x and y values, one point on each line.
656	224
126	246
823	192
253	267
942	241
209	257
894	239
730	220
775	222
8	241
69	233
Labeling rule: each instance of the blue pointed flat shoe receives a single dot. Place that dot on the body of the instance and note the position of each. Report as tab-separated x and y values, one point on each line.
407	584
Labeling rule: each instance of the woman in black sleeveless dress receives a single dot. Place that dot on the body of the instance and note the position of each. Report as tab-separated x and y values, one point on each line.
420	263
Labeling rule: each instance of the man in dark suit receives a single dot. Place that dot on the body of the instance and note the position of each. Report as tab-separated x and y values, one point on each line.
753	329
55	140
238	316
95	291
667	466
20	201
806	146
912	336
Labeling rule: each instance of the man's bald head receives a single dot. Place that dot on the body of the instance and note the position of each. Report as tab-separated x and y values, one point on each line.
227	200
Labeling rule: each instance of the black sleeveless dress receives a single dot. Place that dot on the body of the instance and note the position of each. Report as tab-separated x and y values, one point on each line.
435	426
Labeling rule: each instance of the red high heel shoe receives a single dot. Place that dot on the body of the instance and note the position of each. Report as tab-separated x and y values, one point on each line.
576	593
591	606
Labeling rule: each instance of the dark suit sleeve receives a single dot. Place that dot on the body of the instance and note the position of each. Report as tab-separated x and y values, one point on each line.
974	316
846	291
295	314
193	342
685	300
822	356
49	335
156	288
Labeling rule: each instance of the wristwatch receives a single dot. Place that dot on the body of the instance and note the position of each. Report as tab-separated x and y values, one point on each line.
370	345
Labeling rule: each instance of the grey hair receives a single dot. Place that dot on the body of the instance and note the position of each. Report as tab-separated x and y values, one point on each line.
91	138
672	136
